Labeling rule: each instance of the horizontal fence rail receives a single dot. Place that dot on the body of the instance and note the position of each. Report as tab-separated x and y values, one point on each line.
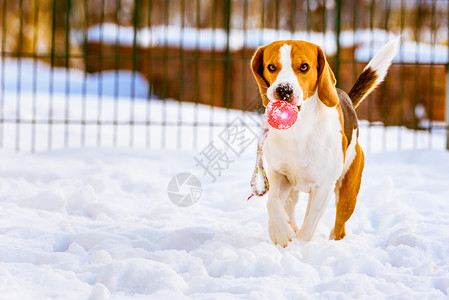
174	73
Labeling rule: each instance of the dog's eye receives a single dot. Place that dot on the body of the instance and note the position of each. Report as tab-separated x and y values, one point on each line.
271	68
304	68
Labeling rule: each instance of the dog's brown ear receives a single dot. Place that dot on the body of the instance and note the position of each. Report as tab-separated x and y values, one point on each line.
257	67
326	81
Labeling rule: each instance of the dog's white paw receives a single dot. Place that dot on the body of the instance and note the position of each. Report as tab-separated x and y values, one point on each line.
304	235
294	226
281	232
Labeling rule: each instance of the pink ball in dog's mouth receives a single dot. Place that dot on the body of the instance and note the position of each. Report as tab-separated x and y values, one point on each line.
281	114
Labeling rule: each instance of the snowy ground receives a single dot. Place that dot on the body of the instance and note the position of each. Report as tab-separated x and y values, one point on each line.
97	223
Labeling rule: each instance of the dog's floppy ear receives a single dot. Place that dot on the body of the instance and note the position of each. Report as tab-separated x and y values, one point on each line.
257	67
326	81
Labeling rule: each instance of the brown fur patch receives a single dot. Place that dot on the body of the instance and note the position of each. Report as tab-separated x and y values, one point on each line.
326	81
346	193
257	67
362	86
350	121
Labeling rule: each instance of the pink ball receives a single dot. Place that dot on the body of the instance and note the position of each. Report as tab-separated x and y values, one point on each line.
281	114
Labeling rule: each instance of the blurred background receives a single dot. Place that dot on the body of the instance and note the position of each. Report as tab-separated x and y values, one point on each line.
173	73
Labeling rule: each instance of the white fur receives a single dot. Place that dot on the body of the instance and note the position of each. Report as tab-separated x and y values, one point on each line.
382	61
308	157
350	156
383	58
286	75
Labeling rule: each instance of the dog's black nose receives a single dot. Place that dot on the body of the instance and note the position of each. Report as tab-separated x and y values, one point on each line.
284	91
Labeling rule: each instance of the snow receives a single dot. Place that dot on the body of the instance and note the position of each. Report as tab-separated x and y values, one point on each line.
204	38
26	75
97	223
409	52
367	41
101	226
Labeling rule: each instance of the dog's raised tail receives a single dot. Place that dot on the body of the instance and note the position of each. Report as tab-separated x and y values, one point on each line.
374	73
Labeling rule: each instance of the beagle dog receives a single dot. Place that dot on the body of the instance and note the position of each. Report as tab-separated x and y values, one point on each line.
319	154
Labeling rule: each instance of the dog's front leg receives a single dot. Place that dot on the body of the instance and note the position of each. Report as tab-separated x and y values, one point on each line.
278	224
318	201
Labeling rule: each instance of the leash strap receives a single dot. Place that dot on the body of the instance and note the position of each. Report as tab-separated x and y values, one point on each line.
259	171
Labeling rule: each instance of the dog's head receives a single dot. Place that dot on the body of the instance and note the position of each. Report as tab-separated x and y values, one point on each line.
293	71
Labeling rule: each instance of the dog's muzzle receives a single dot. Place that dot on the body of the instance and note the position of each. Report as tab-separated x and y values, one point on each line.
284	91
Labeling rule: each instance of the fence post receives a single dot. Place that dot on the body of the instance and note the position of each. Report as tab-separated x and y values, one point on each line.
228	59
337	40
447	106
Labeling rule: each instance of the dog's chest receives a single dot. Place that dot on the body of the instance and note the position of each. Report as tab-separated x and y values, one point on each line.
310	153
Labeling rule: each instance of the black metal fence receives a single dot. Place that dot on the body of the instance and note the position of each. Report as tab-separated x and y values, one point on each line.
168	73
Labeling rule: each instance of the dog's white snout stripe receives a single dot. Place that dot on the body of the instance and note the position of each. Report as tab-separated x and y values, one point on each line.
286	85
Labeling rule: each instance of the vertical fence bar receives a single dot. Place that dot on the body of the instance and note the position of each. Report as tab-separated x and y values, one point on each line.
308	18
401	77
149	75
19	76
86	65
354	37
262	22
447	81
35	66
293	18
197	74
181	76
276	19
447	103
385	84
51	84
243	57
433	41
164	76
134	70
228	53
100	75
337	40
370	103
417	73
324	16
228	58
116	73
67	83
213	68
2	90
